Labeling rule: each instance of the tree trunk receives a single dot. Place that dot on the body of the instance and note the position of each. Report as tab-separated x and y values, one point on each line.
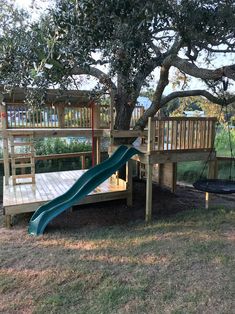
124	111
123	116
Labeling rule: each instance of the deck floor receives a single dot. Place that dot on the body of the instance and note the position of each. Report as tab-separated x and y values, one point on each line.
26	197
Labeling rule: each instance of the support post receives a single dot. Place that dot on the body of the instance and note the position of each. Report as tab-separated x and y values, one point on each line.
149	178
96	115
98	150
111	113
129	183
83	161
151	134
60	112
167	175
212	174
5	143
8	221
207	199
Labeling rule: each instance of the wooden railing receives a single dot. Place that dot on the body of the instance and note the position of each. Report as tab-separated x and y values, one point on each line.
180	133
81	155
137	113
75	117
105	116
22	116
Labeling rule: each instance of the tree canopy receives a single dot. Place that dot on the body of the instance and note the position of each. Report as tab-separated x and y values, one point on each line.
132	38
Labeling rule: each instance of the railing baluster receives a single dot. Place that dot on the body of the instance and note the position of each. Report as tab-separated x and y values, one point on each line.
167	135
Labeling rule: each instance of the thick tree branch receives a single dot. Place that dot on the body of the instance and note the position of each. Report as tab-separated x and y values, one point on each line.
155	106
146	70
163	82
100	75
197	92
205	74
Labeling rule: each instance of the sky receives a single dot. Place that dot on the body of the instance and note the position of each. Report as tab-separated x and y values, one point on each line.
34	7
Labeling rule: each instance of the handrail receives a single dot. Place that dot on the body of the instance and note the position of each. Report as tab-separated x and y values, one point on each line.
57	156
182	118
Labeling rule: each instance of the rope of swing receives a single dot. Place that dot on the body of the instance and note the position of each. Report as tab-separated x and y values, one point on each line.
212	146
232	159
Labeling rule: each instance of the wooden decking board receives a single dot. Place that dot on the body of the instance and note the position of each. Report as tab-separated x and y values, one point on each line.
27	197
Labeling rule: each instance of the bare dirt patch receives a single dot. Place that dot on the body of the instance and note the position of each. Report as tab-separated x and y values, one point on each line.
165	204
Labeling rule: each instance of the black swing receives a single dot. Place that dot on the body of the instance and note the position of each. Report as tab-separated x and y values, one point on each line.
218	186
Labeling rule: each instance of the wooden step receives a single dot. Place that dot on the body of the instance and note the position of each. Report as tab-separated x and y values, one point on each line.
30	177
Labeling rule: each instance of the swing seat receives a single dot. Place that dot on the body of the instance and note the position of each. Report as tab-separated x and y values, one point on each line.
217	186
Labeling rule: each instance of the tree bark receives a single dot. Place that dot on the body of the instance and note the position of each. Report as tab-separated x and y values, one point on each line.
123	116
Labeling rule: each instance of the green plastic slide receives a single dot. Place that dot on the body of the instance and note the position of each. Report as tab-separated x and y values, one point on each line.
83	186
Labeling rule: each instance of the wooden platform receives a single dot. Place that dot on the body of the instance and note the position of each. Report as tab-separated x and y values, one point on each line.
28	197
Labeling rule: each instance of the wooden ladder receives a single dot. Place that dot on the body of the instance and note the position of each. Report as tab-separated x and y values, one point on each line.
22	160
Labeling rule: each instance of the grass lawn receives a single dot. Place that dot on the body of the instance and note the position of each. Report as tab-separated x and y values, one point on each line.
184	264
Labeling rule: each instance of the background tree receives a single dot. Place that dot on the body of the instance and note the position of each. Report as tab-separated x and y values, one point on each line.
132	38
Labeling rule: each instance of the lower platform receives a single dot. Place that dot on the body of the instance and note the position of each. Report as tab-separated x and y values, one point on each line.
27	197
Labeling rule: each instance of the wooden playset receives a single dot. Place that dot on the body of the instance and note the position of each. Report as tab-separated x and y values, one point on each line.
165	142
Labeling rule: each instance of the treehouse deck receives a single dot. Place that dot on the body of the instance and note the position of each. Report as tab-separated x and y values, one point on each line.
25	197
164	143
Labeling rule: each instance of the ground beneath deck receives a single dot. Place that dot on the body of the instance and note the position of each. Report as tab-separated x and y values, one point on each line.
112	213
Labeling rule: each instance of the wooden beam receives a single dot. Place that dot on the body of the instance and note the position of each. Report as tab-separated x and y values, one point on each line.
151	134
149	175
57	132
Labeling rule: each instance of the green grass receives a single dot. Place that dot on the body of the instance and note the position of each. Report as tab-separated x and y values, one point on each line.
184	264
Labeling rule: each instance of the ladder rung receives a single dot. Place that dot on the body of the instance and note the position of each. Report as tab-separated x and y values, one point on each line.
23	165
23	176
22	144
16	156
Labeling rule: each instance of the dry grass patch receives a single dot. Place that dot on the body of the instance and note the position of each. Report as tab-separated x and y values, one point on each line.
181	265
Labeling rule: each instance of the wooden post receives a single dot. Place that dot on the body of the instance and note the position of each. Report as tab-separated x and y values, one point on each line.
149	177
83	161
117	177
207	198
98	150
8	221
129	183
111	113
167	175
60	112
151	134
212	174
5	143
96	113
